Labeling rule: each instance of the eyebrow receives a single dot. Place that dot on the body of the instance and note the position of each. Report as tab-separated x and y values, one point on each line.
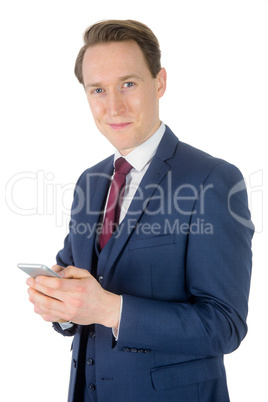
123	78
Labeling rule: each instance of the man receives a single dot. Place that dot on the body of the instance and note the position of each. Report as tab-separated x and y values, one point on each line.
154	302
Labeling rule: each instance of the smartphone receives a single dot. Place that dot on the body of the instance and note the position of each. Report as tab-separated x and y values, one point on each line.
35	270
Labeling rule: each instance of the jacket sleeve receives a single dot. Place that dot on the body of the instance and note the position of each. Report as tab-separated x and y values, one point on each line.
64	258
217	275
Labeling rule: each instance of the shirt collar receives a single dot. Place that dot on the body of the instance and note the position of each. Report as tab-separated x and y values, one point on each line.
141	155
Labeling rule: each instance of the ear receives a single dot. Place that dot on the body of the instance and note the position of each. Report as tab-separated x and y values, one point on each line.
161	82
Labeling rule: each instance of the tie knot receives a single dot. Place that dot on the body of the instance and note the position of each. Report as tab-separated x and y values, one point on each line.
122	166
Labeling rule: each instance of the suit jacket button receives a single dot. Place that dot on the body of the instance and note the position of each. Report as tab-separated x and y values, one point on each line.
90	362
147	351
100	279
92	334
91	387
134	350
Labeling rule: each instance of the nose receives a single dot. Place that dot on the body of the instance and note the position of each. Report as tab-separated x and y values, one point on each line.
115	104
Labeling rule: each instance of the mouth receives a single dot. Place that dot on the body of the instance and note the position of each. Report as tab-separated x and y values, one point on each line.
118	126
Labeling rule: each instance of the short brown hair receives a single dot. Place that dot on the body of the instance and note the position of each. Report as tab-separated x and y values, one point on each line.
117	31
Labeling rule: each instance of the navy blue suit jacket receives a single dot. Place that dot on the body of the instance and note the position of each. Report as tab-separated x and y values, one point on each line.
181	258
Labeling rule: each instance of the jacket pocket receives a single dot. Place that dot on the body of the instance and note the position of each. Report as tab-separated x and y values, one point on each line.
188	373
152	241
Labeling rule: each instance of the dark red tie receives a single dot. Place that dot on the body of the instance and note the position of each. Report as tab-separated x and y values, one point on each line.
111	220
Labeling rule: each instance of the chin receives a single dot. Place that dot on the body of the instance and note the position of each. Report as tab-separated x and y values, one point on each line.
121	145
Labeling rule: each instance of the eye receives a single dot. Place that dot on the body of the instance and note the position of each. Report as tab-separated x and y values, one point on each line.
129	84
97	91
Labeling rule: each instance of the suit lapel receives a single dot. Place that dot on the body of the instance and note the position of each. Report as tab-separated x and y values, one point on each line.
99	187
96	190
156	172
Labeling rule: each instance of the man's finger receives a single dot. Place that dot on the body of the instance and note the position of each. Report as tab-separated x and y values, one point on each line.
74	273
44	305
57	268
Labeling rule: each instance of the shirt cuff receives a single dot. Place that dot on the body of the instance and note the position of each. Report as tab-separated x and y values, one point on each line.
65	325
116	330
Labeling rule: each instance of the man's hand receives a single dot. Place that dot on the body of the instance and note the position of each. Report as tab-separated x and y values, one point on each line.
77	297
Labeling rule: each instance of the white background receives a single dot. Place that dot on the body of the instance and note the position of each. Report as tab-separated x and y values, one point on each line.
215	53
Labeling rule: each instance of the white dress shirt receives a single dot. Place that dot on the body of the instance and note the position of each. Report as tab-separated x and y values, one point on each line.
140	158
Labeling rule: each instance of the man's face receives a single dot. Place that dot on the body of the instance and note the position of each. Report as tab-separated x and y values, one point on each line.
122	94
